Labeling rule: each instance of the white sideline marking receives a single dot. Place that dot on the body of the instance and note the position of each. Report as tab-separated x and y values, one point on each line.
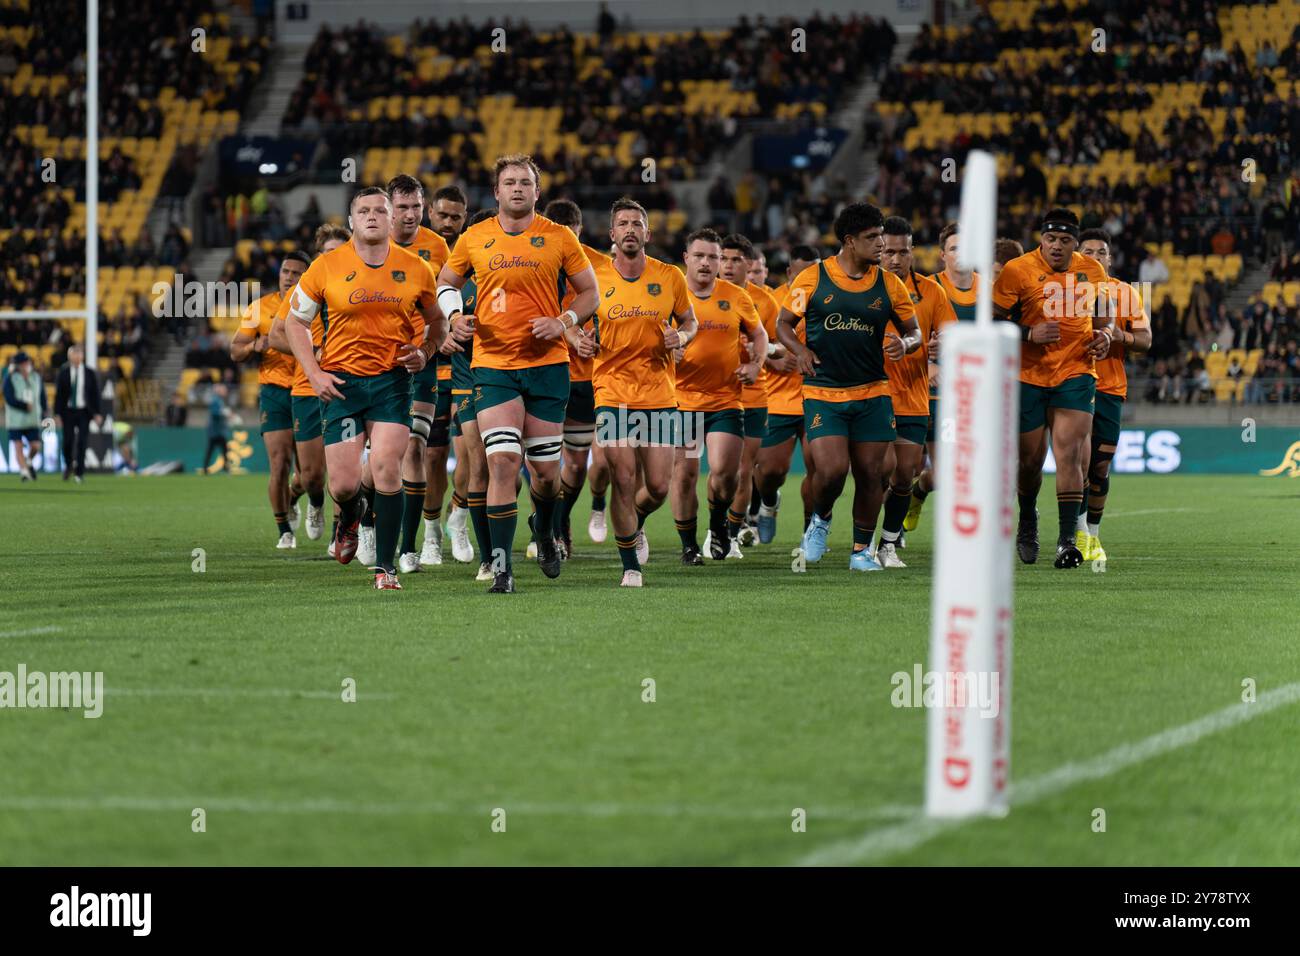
906	836
274	692
780	817
32	631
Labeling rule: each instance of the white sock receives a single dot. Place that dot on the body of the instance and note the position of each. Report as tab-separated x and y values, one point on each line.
433	529
1082	523
765	512
1095	529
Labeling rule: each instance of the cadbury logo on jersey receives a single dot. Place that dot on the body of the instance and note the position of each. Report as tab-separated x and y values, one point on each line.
500	261
618	311
361	296
835	322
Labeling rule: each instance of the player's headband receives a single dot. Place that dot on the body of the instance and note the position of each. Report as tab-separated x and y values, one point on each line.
1056	225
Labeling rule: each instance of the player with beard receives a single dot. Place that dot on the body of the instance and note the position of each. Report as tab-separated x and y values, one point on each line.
521	361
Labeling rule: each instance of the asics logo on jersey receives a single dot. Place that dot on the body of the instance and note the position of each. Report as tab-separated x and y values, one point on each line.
609	292
489	243
835	322
361	295
349	277
500	261
827	300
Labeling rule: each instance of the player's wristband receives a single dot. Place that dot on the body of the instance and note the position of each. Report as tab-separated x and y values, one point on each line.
1024	332
771	348
571	323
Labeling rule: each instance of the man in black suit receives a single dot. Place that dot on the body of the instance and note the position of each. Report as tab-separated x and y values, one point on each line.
76	402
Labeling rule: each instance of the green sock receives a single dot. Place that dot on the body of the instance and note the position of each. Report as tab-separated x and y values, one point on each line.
501	521
411	509
545	513
568	498
718	518
316	498
1067	511
734	521
368	516
897	501
862	536
597	502
282	522
687	531
627	552
476	502
640	518
388	525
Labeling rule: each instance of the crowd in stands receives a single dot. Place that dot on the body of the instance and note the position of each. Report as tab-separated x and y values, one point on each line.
141	51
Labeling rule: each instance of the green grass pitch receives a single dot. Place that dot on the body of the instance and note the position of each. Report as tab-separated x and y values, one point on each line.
772	692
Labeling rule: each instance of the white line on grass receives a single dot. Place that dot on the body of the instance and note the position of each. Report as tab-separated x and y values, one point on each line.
237	692
1151	511
31	631
779	816
878	844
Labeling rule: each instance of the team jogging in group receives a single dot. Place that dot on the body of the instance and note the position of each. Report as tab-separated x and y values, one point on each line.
503	342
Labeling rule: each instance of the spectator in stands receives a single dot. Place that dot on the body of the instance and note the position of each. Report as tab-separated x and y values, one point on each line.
1273	221
1153	268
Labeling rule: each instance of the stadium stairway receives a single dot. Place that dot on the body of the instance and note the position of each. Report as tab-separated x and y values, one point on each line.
1248	286
269	101
855	163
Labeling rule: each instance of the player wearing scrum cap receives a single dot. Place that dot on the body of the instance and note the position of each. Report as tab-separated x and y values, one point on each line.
1051	294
